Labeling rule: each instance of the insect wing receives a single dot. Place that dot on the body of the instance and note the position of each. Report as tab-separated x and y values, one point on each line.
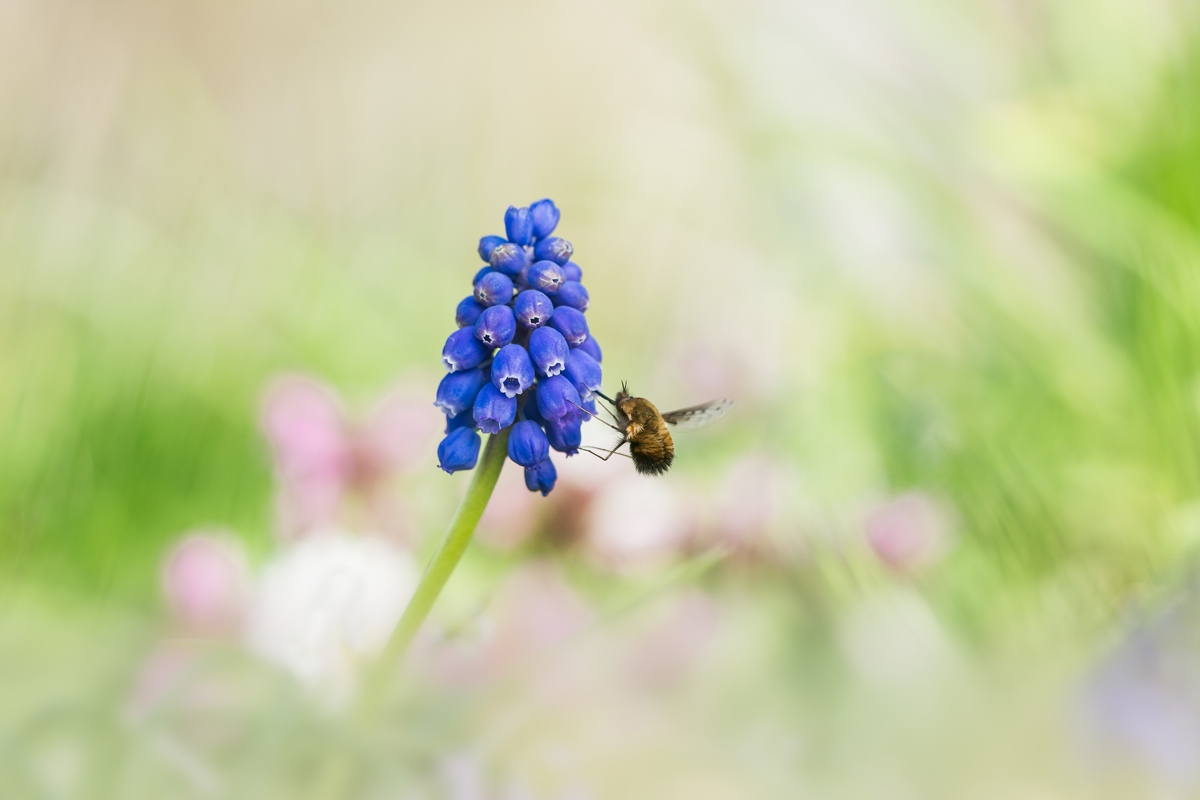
699	416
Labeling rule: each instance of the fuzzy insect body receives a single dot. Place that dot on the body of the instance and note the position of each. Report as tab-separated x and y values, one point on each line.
650	443
646	429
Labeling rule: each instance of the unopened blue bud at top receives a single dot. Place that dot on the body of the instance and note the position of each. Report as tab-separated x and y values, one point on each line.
496	326
557	400
493	411
565	435
510	259
545	217
572	272
541	478
487	244
573	294
527	444
459	450
468	312
512	370
584	373
591	347
571	323
519	225
457	391
495	288
463	350
533	308
553	249
549	351
545	276
480	275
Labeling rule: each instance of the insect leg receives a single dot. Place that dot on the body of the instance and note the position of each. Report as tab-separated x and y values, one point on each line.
610	411
609	454
596	417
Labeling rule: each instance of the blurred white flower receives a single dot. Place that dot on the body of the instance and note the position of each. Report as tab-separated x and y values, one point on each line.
328	601
636	520
206	582
909	532
893	639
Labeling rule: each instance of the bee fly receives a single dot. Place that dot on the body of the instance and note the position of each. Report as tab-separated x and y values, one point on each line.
645	429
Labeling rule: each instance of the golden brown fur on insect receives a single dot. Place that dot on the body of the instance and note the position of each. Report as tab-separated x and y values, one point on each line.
650	442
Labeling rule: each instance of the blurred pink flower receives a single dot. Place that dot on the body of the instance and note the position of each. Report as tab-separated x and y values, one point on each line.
333	469
515	515
755	510
206	582
533	610
909	531
512	513
677	642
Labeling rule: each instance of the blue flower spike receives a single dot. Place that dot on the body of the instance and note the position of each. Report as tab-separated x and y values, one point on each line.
527	444
519	225
464	420
496	326
545	276
549	351
457	391
509	258
553	249
495	288
467	313
533	308
463	350
545	217
493	411
557	400
541	478
583	372
574	295
487	244
459	450
512	371
566	435
591	347
571	323
522	349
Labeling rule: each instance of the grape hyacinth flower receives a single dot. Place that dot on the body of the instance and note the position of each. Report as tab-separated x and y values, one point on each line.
546	276
554	249
513	363
505	365
571	324
549	351
532	308
496	326
572	294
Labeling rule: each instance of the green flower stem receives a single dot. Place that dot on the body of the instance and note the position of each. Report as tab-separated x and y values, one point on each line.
448	554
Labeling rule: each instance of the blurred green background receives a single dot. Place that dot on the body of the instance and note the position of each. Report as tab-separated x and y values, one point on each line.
945	248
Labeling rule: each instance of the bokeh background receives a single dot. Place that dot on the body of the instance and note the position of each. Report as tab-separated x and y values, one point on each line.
946	257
